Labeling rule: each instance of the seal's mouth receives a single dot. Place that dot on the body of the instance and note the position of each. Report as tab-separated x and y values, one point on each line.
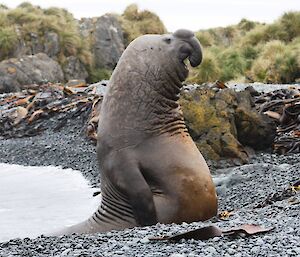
184	69
184	64
184	53
190	47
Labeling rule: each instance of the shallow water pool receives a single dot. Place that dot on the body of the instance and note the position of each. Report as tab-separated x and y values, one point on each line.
39	200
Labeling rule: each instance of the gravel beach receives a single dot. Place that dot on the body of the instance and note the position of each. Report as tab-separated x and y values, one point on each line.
256	193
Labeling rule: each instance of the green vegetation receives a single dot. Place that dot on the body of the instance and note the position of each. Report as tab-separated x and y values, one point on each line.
136	23
27	22
209	71
99	74
30	25
276	63
8	39
249	50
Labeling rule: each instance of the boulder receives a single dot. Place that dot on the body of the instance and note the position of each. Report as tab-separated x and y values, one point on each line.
51	44
32	69
106	38
223	122
254	129
34	44
73	68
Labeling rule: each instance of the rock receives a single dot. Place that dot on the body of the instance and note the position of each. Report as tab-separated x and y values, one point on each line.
51	44
15	115
73	68
145	240
106	37
35	44
76	83
223	122
32	69
47	43
99	88
254	129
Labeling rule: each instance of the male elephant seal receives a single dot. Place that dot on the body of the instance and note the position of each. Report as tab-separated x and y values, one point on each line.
151	170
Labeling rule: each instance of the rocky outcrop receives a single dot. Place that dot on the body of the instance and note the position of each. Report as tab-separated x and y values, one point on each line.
32	69
51	44
253	129
222	123
34	44
106	38
73	68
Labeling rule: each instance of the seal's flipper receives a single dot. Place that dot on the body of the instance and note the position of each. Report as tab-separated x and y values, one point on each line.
130	182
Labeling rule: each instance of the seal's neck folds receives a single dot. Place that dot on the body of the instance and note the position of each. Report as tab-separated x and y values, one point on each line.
145	100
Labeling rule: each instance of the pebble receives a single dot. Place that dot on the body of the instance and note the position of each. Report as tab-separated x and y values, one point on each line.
297	250
211	250
145	240
255	249
65	252
262	177
231	251
259	241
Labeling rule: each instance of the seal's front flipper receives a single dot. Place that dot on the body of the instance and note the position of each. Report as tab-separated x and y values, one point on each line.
130	181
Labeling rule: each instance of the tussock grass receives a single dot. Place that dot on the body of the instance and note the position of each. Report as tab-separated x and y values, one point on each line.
205	38
290	24
99	74
262	52
277	63
27	20
136	23
208	71
8	39
233	64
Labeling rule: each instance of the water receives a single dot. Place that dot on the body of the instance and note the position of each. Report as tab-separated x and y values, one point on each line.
39	200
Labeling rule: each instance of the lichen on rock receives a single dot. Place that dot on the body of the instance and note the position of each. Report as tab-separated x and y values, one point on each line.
223	122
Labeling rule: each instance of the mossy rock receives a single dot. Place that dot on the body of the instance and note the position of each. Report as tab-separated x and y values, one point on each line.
223	123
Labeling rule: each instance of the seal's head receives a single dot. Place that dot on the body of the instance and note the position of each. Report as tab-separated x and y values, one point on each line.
182	45
163	54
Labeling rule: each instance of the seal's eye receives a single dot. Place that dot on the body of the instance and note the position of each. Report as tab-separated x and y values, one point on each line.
167	40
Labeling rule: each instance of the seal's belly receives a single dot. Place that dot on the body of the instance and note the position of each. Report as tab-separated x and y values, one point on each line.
176	168
186	199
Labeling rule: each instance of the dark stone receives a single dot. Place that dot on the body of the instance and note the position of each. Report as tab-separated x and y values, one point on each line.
106	37
253	129
74	69
32	69
51	45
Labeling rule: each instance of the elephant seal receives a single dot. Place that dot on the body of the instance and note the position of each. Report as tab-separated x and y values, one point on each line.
151	170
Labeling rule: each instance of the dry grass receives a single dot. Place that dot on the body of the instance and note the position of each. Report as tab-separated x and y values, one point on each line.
136	23
265	52
8	39
208	71
277	63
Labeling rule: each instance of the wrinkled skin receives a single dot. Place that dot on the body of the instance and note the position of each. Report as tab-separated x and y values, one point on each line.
151	170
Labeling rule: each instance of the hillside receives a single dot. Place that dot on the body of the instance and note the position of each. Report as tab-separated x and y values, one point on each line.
88	49
252	51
